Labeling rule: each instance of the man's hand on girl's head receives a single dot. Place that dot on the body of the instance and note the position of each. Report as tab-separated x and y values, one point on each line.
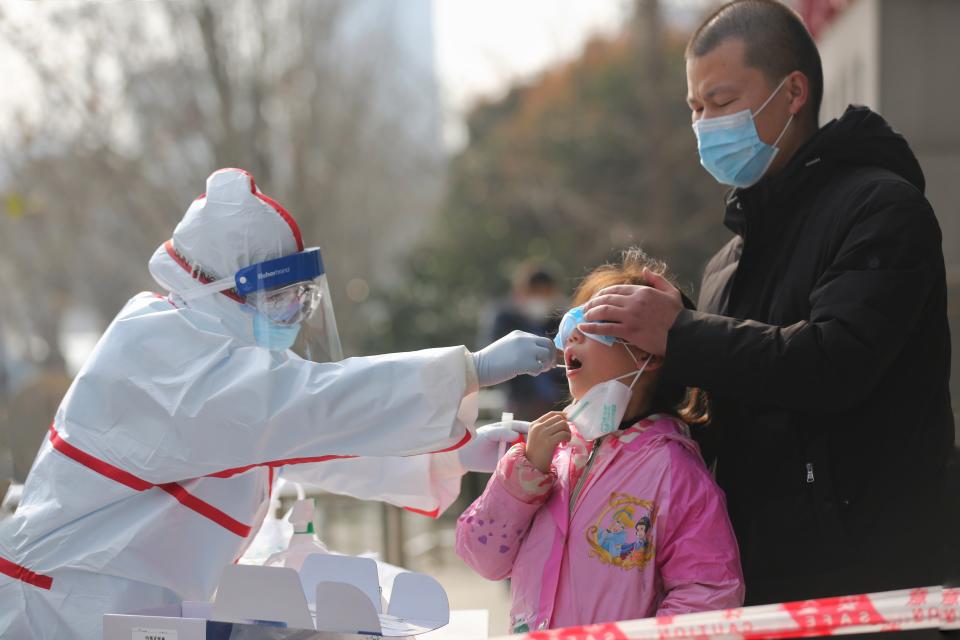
639	314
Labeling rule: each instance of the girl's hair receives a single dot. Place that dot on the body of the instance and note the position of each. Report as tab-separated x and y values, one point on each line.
690	404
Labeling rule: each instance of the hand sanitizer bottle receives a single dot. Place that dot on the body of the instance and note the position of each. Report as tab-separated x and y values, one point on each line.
303	543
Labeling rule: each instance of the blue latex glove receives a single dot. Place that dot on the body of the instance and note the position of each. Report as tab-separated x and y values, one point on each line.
490	442
512	355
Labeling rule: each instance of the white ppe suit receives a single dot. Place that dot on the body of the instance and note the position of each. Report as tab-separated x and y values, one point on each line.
426	484
158	466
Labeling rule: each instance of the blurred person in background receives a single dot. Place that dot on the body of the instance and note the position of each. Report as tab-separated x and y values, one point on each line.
822	333
157	470
535	301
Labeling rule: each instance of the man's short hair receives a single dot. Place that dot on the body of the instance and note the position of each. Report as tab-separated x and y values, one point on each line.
777	42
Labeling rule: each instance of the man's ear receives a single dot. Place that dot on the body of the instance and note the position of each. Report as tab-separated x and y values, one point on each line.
655	362
797	87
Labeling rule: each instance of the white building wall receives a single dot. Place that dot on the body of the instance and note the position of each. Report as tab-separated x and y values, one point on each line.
850	50
920	94
902	59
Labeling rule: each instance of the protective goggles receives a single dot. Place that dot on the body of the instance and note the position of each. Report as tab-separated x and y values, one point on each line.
288	291
570	321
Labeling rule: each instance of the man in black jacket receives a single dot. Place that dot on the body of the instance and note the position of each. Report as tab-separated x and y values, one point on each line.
822	333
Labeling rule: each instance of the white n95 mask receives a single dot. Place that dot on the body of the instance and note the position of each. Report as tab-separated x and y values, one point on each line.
601	409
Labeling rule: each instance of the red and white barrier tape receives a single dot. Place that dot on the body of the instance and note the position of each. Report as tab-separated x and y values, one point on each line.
925	608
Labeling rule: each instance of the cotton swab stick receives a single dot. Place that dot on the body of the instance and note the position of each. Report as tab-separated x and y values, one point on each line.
558	358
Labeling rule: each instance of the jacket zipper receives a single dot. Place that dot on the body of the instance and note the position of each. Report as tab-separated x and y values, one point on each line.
586	471
573	500
809	473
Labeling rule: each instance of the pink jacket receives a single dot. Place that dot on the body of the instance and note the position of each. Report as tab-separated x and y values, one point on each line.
645	533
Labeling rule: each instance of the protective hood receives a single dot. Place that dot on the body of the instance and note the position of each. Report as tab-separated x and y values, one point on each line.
861	137
229	227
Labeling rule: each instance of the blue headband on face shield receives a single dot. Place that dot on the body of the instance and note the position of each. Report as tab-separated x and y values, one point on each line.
285	289
570	321
280	272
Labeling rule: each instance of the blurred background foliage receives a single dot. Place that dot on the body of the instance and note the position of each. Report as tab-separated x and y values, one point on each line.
125	108
593	156
334	109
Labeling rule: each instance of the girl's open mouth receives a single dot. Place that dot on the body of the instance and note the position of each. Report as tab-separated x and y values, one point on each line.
573	363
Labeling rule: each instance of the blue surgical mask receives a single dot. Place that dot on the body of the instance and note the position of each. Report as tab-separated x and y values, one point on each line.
731	149
273	336
570	321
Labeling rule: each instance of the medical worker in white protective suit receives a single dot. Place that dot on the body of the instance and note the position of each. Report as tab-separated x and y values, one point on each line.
158	465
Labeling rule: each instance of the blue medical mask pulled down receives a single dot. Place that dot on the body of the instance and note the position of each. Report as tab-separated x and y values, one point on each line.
731	149
570	321
273	336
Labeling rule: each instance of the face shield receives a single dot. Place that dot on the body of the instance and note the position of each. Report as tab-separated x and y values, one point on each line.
291	302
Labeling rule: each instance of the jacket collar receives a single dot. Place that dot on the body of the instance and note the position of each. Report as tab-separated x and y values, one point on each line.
642	432
650	429
758	210
859	138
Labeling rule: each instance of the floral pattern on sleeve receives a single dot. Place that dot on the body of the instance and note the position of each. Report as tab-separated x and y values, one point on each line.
521	479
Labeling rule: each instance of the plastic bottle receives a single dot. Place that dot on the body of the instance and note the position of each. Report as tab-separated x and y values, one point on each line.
303	543
274	536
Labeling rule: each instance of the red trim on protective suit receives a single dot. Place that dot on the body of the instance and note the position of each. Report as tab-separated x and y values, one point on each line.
435	513
464	440
23	574
226	473
205	509
276	206
168	245
189	500
167	298
100	466
117	474
283	214
273	204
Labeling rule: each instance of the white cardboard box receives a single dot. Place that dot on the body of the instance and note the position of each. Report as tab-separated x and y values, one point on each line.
272	603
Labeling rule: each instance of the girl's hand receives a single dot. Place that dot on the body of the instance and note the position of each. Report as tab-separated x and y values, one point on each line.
545	434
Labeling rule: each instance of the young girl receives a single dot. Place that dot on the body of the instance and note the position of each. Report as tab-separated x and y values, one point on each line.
607	512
